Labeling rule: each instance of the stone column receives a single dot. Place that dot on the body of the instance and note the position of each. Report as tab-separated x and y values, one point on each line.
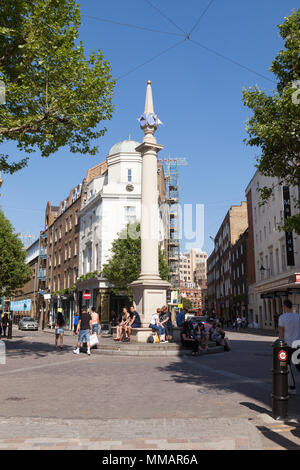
149	290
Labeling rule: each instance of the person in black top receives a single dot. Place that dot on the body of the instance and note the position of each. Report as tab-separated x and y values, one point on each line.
186	339
134	322
84	330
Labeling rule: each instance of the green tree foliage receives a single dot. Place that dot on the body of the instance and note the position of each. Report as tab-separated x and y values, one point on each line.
186	303
275	124
14	272
54	96
124	266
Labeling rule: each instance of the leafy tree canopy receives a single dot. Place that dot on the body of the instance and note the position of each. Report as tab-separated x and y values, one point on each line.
275	124
124	266
186	303
14	272
54	96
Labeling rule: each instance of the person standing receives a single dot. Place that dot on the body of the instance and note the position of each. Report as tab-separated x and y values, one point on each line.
59	329
84	330
180	317
4	324
76	319
95	321
289	331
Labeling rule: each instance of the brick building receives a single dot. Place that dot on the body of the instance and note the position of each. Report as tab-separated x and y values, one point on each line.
62	248
220	286
239	275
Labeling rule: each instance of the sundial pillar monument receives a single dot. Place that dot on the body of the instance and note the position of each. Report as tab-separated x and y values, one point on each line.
149	290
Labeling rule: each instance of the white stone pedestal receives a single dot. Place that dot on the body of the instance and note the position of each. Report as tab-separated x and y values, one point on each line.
148	296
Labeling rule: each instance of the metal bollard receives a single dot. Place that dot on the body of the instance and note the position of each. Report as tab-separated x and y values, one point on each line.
9	329
280	395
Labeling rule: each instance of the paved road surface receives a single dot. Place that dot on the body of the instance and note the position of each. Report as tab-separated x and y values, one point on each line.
56	400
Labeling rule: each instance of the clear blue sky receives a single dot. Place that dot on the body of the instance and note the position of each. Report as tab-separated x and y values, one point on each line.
197	94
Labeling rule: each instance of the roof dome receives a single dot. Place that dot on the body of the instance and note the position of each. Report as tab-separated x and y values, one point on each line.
126	146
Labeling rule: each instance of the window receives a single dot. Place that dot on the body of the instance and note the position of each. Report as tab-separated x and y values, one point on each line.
70	250
277	261
129	214
70	223
283	260
67	224
96	257
60	231
75	247
271	263
55	236
89	259
129	175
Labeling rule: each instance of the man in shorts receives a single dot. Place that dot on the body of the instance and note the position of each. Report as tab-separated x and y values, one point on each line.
289	331
84	330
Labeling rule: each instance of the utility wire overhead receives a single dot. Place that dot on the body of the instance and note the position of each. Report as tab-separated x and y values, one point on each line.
165	16
104	20
200	17
186	37
152	58
231	60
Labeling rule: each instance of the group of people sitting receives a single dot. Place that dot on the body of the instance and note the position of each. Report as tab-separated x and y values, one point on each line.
162	324
125	323
196	335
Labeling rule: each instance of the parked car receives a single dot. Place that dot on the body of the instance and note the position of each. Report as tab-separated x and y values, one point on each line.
28	323
199	319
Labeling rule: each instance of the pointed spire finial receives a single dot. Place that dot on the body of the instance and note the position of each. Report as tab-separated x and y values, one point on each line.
149	100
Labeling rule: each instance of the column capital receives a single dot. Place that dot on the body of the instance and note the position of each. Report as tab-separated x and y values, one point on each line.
145	146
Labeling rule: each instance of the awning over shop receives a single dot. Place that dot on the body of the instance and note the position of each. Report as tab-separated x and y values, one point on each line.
283	287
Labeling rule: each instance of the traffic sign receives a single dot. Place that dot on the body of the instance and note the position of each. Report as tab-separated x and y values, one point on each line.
86	295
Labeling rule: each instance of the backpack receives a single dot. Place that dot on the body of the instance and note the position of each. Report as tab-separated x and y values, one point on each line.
150	339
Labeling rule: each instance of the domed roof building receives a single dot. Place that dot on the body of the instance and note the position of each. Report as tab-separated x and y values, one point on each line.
125	146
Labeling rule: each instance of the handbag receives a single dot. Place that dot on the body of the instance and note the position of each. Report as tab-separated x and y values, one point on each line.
93	340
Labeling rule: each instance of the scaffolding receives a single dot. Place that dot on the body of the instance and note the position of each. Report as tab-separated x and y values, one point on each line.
173	242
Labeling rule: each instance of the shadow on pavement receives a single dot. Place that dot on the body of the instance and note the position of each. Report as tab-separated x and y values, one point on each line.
278	439
246	369
22	348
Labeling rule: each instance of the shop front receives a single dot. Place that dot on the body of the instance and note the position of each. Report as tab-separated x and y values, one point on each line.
271	296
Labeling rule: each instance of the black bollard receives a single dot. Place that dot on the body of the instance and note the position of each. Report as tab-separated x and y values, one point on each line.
280	395
9	330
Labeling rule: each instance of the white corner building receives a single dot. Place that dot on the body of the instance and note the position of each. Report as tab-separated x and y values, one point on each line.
113	200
